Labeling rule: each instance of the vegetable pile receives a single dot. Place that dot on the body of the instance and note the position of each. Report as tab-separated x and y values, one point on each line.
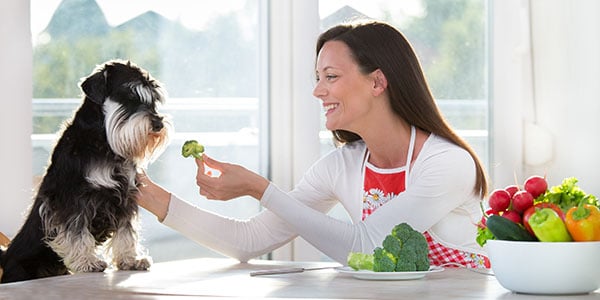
563	213
404	250
192	148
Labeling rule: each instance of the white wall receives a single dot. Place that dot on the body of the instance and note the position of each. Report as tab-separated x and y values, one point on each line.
15	114
566	108
567	68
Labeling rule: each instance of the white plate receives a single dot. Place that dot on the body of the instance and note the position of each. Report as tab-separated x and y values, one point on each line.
370	275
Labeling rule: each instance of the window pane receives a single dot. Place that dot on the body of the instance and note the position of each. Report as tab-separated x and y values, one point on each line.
205	53
450	38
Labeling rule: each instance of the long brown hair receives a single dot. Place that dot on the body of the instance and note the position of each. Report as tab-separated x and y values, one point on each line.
377	45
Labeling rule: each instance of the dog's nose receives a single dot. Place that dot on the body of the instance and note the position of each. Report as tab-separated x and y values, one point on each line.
157	123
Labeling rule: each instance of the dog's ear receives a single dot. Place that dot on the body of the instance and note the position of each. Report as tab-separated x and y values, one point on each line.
94	87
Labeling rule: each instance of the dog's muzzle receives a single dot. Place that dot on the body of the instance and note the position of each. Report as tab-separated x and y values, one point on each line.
157	123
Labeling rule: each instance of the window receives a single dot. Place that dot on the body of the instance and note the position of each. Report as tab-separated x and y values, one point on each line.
206	54
213	58
450	38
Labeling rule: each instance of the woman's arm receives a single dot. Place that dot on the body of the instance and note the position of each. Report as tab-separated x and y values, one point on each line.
439	184
153	197
239	239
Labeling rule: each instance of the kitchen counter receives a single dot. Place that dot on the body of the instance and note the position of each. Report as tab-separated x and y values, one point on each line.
215	277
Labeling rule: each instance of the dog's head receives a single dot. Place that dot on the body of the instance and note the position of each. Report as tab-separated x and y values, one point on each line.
130	98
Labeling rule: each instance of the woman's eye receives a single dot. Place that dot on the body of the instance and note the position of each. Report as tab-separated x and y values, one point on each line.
327	77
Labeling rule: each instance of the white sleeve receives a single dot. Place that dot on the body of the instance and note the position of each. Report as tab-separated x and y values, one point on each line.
242	239
439	183
239	239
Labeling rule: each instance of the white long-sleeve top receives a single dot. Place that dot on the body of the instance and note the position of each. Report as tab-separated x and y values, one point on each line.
439	199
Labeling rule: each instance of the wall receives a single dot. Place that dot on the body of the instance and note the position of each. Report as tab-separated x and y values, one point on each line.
550	127
15	115
567	67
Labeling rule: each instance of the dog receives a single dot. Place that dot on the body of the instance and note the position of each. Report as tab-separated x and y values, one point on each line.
84	216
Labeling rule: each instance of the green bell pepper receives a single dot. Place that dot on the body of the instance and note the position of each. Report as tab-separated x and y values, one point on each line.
548	226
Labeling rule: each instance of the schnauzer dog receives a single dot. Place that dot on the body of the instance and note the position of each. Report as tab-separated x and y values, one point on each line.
85	208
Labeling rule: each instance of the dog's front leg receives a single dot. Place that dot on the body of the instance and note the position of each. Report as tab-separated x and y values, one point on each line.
127	253
78	250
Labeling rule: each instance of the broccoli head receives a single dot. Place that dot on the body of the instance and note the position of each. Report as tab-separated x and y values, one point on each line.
413	254
392	245
360	261
404	250
403	231
192	148
383	261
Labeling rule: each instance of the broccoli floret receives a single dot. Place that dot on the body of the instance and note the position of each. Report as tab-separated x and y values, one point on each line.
419	244
392	245
192	148
383	261
360	261
407	258
414	253
422	264
405	266
403	231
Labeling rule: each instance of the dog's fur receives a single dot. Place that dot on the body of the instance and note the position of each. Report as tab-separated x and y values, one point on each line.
85	208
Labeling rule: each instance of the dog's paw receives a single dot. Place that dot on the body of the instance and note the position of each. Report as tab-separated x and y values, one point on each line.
91	266
141	264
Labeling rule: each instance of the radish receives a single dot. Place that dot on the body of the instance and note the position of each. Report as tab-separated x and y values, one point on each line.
536	185
512	215
521	201
512	189
499	200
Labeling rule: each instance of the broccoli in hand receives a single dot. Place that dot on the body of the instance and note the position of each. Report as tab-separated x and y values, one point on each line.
192	148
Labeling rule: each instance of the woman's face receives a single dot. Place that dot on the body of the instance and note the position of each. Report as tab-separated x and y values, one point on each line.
343	89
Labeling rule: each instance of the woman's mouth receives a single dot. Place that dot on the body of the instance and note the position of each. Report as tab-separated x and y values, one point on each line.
329	108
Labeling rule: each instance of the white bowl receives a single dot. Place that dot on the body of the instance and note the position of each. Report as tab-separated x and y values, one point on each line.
546	268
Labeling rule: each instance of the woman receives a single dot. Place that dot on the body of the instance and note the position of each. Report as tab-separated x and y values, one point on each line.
397	161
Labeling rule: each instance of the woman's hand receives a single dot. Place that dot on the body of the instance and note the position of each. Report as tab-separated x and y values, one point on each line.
232	181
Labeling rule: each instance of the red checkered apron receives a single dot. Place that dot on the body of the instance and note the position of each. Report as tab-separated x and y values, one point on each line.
380	186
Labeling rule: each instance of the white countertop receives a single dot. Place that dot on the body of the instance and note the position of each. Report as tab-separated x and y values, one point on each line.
212	278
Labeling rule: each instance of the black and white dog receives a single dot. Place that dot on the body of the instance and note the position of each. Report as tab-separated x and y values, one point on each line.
85	207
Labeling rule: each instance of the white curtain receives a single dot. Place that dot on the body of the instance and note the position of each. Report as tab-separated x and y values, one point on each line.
15	114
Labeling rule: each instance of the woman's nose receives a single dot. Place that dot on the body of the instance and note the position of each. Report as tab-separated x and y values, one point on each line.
318	91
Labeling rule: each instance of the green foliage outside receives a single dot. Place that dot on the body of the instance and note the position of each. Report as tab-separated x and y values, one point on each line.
220	62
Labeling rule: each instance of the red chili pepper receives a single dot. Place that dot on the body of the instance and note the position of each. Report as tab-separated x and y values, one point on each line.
583	222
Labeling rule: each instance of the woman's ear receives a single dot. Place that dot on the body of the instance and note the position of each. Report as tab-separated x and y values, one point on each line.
379	82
